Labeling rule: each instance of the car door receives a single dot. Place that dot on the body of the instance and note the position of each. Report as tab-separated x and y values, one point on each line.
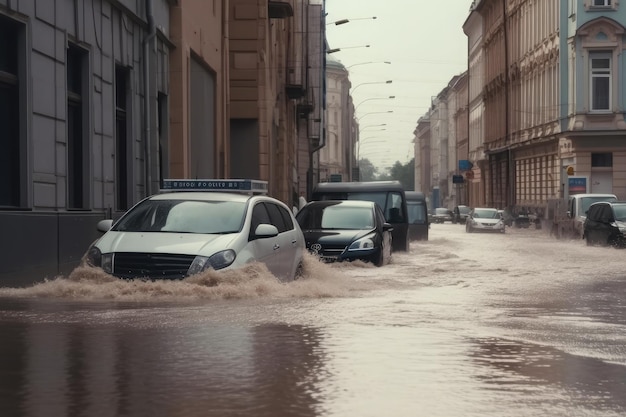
387	237
263	249
286	253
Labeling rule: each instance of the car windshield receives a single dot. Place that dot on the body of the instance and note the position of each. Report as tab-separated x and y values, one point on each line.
184	216
338	217
588	201
486	214
441	211
464	210
620	212
417	212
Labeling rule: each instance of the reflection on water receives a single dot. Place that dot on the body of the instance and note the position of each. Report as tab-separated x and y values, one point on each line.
216	370
549	378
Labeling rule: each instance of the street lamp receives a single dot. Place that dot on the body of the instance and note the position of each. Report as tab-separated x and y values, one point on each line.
333	50
373	98
370	62
344	21
373	82
374	112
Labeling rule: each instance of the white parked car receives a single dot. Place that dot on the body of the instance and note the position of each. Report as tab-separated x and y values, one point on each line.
175	234
484	219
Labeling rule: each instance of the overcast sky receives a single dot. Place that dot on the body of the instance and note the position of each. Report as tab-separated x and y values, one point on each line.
425	43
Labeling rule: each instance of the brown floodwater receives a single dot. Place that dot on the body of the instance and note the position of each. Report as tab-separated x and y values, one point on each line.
462	325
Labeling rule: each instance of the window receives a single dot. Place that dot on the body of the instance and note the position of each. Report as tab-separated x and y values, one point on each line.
604	160
77	150
600	81
121	141
601	3
10	157
276	217
259	216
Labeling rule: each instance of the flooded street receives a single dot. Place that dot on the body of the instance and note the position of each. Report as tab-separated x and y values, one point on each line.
515	324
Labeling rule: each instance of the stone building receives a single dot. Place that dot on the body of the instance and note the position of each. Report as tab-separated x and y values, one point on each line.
276	91
474	179
552	100
82	87
337	158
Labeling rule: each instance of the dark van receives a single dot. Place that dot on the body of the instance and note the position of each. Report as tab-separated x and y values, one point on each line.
418	215
389	195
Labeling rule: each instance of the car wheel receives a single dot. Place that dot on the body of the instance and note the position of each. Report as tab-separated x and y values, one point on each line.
380	260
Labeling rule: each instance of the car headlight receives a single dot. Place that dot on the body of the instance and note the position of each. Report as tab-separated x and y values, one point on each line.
220	260
97	259
94	256
365	243
107	263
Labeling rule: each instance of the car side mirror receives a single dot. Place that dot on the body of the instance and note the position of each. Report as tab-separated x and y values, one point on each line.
104	225
265	230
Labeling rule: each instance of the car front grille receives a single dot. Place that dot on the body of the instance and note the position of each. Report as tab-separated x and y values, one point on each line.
130	265
332	250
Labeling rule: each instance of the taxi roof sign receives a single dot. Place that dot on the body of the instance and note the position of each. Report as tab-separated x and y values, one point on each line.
228	185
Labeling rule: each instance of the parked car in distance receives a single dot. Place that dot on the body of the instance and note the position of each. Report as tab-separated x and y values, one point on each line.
605	224
484	219
346	230
198	225
441	215
460	213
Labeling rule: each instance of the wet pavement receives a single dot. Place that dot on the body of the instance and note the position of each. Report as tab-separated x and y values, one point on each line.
514	324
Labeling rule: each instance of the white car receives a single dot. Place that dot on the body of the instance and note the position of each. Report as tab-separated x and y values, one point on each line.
484	219
177	234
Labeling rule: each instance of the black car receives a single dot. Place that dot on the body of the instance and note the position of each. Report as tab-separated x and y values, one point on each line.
605	224
460	213
346	230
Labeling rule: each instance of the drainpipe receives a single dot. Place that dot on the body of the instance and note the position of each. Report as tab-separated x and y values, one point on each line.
146	83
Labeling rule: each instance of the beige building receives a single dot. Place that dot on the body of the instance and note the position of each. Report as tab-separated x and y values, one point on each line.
475	186
246	97
199	119
337	159
440	140
458	144
276	93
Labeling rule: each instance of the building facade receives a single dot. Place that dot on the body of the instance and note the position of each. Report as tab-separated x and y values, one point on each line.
198	103
337	158
593	93
474	178
552	100
80	99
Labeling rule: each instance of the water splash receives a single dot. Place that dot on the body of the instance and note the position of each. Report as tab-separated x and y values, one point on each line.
254	280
